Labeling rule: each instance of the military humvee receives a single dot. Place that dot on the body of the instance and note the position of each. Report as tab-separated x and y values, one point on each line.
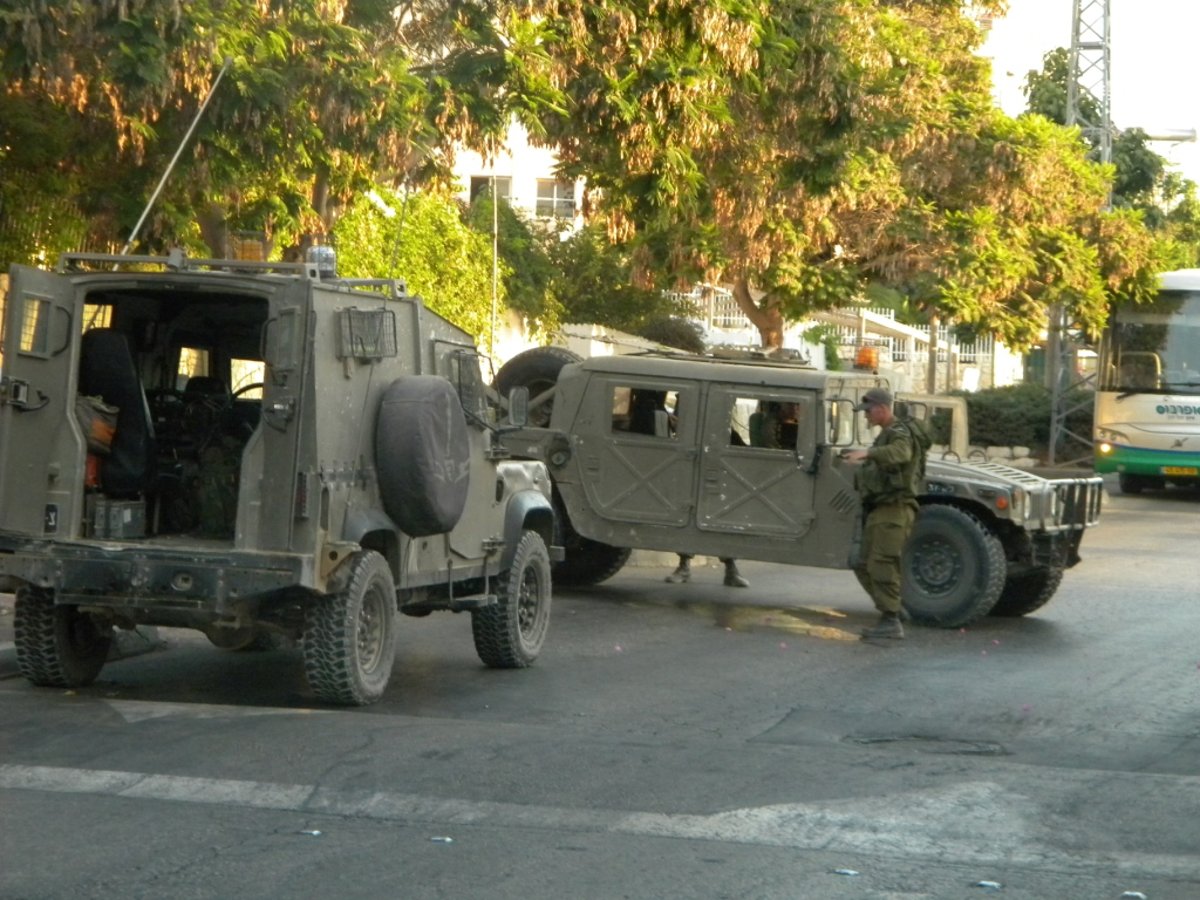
695	454
255	450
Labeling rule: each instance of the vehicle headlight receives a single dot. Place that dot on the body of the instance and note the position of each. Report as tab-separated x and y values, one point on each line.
1107	438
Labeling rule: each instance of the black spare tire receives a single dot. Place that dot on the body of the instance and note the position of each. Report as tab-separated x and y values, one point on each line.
537	370
422	454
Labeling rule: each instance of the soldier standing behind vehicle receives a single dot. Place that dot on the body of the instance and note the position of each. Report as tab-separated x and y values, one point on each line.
887	482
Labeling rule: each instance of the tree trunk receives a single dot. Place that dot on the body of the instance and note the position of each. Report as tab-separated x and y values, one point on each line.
211	219
767	318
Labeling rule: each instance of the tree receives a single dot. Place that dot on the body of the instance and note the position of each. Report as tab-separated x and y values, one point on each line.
446	262
323	98
594	281
526	249
799	149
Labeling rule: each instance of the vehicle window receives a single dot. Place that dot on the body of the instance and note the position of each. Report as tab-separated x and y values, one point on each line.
842	420
467	378
247	376
649	411
773	423
193	361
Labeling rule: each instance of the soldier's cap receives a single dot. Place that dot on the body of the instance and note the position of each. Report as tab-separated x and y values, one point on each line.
876	396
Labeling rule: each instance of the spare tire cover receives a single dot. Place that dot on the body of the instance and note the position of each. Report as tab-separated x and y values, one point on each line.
422	454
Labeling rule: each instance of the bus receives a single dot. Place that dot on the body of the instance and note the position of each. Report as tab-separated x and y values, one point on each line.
1147	424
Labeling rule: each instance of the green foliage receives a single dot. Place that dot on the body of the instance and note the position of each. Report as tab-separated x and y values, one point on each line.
526	250
594	282
428	245
673	332
827	337
1019	416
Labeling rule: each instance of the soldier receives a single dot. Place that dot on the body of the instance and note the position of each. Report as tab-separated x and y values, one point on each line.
683	572
887	482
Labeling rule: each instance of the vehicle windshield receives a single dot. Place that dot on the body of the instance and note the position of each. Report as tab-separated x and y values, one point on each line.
1155	347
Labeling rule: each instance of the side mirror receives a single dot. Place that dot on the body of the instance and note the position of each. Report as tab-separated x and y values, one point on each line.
518	407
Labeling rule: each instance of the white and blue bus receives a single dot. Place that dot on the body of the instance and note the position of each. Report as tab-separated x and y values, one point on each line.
1147	426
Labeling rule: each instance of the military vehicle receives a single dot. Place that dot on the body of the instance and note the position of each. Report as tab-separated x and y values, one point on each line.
259	451
741	458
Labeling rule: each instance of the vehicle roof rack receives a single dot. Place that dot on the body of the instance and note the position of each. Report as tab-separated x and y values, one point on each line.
178	261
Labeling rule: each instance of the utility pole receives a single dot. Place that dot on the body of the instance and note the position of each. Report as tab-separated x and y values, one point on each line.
1089	94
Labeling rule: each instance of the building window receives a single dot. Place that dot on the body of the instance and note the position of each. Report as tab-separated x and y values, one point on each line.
555	199
482	183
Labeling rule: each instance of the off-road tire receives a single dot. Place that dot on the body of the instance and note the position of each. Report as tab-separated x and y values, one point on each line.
57	646
585	562
349	639
537	370
422	455
953	568
510	633
1028	591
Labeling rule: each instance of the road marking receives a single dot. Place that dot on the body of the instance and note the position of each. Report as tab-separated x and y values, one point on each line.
142	710
978	823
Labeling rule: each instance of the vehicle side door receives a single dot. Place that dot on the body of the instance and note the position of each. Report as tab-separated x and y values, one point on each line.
637	453
757	462
42	449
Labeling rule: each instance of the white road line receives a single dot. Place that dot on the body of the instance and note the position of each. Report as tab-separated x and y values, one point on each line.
978	823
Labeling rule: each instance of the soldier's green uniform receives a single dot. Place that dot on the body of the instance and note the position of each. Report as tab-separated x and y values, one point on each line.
887	482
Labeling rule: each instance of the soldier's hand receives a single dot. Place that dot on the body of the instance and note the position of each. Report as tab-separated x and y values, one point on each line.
853	455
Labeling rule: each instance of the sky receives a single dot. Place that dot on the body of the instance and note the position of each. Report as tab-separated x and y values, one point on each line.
1152	45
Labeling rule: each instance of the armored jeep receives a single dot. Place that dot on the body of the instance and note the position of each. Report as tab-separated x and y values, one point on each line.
263	452
741	458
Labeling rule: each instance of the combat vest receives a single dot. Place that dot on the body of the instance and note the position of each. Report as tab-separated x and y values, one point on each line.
879	483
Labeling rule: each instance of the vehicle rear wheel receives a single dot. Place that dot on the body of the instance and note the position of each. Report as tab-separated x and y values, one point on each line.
537	370
57	646
953	568
1031	590
509	634
349	639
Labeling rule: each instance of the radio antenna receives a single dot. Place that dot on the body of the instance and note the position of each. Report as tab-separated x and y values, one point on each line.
175	159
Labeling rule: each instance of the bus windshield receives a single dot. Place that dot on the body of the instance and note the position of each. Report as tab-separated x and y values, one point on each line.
1155	347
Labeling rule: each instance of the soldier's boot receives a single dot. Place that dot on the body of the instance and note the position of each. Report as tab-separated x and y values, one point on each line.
682	573
734	578
888	627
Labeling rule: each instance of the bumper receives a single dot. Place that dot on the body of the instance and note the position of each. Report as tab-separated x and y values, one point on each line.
1152	463
147	577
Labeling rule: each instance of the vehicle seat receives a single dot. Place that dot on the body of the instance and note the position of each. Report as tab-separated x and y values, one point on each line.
107	370
199	387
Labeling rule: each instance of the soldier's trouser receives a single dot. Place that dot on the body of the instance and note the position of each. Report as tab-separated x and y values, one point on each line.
884	534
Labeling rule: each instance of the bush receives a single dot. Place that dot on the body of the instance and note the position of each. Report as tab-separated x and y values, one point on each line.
1019	416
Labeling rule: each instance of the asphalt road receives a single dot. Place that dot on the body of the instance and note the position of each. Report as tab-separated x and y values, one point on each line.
672	741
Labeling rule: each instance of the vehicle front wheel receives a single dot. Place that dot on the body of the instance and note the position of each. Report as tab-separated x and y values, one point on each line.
349	639
953	568
1028	591
57	646
509	634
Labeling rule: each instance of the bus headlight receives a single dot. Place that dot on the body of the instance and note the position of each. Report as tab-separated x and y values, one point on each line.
1107	438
